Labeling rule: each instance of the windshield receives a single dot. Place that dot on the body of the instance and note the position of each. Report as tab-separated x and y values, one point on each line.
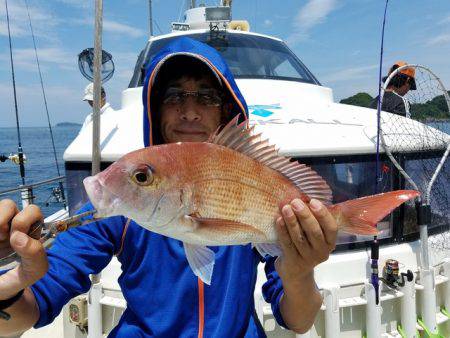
248	56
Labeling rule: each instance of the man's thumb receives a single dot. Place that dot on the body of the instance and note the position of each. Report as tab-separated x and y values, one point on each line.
34	263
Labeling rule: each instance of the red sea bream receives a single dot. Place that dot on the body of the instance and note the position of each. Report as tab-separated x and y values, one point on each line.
227	191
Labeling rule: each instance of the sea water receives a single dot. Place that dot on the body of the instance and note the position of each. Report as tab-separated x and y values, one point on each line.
40	161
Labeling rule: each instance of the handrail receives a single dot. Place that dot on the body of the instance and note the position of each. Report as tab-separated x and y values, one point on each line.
33	185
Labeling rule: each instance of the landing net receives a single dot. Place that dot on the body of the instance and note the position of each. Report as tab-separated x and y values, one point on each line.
416	139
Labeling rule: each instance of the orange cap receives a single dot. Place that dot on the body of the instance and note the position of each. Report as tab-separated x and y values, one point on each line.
411	72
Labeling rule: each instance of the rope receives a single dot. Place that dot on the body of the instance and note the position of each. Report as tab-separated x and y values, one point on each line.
61	186
157	26
19	141
183	5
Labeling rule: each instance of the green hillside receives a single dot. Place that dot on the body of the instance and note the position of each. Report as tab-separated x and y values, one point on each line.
434	109
360	99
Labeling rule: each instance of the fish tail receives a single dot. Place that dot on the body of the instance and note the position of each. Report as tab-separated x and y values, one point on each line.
360	216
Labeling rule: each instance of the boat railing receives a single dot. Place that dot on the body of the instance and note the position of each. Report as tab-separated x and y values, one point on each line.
26	191
33	185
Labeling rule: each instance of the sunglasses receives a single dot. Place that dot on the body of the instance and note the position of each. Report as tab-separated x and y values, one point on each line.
205	97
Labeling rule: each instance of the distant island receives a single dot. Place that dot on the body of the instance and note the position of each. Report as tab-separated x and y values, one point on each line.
68	124
431	110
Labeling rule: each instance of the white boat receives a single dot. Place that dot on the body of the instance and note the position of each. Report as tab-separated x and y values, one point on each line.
291	108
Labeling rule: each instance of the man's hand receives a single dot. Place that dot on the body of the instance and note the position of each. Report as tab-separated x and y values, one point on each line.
307	235
14	227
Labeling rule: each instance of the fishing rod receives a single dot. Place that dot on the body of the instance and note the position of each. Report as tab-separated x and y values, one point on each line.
58	193
45	231
375	247
19	140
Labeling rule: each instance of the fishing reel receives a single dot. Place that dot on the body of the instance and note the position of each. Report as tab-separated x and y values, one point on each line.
56	196
14	158
392	276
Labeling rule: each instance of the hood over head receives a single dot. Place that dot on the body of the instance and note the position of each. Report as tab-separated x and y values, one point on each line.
187	47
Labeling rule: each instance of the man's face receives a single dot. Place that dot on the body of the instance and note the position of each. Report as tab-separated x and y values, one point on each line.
189	118
102	102
403	90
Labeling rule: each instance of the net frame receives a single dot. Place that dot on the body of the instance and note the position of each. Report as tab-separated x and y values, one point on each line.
86	64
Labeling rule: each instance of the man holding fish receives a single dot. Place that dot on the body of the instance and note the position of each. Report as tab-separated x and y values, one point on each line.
214	210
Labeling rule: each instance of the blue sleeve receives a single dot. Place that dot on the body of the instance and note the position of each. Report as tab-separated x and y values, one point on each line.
74	255
272	290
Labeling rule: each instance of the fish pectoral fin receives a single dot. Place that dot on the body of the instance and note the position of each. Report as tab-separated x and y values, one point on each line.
225	225
271	249
201	260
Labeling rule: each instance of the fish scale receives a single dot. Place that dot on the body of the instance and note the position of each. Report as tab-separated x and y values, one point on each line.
238	193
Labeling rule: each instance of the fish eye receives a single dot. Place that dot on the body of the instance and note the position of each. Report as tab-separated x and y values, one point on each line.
143	176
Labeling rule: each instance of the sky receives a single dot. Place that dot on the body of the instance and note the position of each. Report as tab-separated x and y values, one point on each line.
338	40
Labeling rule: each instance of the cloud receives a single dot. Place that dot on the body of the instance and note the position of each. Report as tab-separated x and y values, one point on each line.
268	23
16	30
281	17
25	59
124	63
113	27
443	38
124	67
445	20
41	20
31	106
116	27
350	74
310	15
77	3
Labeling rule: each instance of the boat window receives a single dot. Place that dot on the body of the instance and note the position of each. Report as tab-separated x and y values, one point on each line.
349	177
248	56
439	197
76	172
354	177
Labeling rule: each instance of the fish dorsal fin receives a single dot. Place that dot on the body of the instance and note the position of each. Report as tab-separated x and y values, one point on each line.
239	137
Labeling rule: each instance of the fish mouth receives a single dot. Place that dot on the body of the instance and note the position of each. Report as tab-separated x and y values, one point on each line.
103	200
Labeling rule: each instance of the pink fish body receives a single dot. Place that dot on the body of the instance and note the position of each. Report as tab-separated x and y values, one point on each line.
224	192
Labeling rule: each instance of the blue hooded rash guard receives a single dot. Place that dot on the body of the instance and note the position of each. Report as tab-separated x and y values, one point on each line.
164	297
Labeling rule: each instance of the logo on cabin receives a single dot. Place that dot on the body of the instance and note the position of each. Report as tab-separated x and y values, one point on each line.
263	110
